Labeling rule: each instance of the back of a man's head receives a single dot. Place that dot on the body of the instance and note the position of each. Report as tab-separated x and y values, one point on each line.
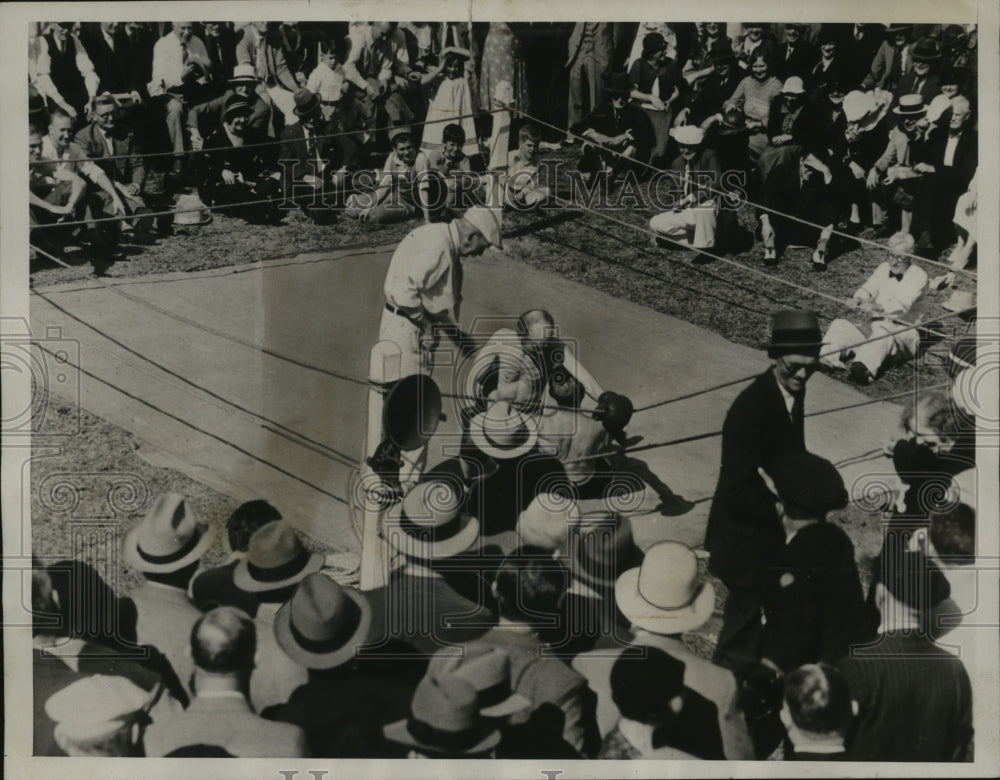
536	324
530	585
819	700
246	519
223	641
643	687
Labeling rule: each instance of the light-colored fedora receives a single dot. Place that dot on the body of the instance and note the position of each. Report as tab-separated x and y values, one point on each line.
275	559
170	537
665	594
190	211
429	522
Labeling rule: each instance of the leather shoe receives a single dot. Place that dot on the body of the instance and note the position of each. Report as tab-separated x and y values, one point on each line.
859	373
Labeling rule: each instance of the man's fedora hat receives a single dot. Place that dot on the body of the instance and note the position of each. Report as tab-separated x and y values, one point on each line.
892	29
306	102
926	50
97	706
721	50
275	559
429	522
488	221
169	537
665	594
602	549
444	719
503	432
320	626
487	669
618	84
243	74
794	328
960	300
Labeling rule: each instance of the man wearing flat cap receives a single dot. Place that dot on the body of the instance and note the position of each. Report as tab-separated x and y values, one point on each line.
812	602
744	534
423	286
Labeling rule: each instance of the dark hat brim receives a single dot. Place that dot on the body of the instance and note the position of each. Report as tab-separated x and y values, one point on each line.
309	108
333	658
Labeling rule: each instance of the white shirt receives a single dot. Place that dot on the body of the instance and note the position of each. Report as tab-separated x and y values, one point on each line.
108	39
43	68
169	62
421	272
82	165
895	297
326	82
949	150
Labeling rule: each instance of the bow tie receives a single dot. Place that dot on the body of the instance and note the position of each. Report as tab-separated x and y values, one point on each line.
897	277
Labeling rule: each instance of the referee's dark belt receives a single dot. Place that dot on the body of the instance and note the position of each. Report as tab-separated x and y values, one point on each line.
404	313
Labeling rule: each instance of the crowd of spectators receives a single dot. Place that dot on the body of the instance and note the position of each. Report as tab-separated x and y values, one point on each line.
832	129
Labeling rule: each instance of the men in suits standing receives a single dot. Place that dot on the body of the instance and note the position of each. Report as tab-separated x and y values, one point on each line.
590	49
223	643
113	60
858	44
166	547
892	61
923	79
744	535
812	600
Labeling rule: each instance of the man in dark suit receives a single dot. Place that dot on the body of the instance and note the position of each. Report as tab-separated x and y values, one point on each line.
347	700
796	56
716	88
923	80
617	131
112	144
914	697
744	535
312	163
240	167
857	46
812	600
103	42
953	154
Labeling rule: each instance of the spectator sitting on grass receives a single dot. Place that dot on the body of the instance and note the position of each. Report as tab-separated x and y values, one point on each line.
888	295
55	194
207	115
402	190
238	168
451	163
523	190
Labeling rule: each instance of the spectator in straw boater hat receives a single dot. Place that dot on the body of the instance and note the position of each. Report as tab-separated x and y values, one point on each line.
276	562
441	606
348	698
892	179
743	533
663	598
166	547
444	722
